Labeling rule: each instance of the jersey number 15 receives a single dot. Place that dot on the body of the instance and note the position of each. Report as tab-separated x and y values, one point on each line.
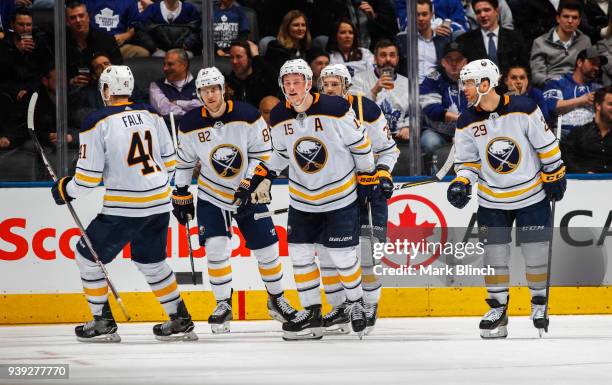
138	154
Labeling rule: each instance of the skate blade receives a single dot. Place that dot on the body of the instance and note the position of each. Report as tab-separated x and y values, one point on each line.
190	336
499	332
220	328
337	330
276	316
306	334
361	334
101	339
541	332
369	329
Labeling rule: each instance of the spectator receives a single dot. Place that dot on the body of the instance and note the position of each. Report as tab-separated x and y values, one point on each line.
88	99
604	47
443	10
176	92
7	10
381	83
441	100
24	57
588	148
505	15
374	19
120	18
517	83
554	53
266	105
595	20
250	79
83	42
292	41
502	46
431	46
173	24
230	23
317	59
343	46
533	18
572	95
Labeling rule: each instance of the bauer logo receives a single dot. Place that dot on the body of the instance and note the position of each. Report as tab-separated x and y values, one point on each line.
503	155
226	160
310	154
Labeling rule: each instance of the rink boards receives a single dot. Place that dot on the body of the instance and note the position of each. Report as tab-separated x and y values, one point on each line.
39	281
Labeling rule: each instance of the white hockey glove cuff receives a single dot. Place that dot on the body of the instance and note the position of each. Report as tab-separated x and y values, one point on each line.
262	192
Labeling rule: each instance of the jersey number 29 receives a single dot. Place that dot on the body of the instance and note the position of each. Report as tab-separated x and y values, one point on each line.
139	155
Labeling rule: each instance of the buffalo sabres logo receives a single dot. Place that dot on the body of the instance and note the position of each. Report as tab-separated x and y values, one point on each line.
226	160
503	155
310	154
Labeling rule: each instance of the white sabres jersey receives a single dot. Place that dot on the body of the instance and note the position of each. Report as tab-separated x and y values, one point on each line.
504	151
228	147
371	117
128	146
324	147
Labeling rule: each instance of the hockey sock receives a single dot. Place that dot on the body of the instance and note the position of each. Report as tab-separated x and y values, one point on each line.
371	284
498	256
334	292
160	278
219	268
270	268
306	273
349	268
94	283
536	266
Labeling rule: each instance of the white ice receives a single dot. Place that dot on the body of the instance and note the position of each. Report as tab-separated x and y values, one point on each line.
431	351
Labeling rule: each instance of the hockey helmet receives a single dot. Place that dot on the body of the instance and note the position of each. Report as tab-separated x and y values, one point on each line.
339	70
478	70
118	80
209	77
296	66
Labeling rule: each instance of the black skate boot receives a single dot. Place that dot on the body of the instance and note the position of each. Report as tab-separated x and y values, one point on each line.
336	322
357	315
279	308
103	328
305	325
495	321
178	328
371	310
538	308
221	316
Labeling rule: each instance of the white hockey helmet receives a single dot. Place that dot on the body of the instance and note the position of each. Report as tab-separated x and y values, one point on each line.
478	70
295	66
118	79
209	77
338	70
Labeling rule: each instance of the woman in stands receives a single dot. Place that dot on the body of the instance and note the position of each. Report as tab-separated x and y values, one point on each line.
343	46
292	41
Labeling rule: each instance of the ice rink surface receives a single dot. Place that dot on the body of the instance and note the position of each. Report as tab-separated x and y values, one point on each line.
430	351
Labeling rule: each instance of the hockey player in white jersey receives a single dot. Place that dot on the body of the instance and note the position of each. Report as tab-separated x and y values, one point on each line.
128	146
331	166
229	139
503	144
335	80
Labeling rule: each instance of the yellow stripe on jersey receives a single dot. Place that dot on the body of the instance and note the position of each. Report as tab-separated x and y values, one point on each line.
550	153
150	198
217	191
473	165
348	184
508	194
86	178
171	163
367	143
264	157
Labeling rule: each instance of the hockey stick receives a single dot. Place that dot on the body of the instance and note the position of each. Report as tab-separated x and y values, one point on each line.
31	108
436	178
180	276
550	243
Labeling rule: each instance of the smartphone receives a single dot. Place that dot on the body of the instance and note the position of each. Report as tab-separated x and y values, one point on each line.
84	71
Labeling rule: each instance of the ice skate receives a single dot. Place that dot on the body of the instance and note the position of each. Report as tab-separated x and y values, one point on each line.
221	316
336	322
102	328
538	308
371	310
178	328
495	321
305	325
357	315
279	308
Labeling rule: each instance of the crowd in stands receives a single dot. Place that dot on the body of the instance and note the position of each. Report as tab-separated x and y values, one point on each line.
557	52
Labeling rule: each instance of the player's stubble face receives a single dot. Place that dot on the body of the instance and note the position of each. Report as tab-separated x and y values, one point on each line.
295	88
332	86
213	98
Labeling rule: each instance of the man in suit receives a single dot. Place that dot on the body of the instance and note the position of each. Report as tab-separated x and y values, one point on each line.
502	46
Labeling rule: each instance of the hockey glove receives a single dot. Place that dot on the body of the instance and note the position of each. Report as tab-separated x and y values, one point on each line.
243	193
367	186
182	204
554	183
59	191
459	192
261	182
385	181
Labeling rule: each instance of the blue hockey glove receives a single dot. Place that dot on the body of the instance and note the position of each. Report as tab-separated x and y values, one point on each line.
367	186
59	191
182	204
459	192
554	183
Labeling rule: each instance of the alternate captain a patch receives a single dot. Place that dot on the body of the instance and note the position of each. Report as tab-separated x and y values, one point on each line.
226	160
503	155
310	154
